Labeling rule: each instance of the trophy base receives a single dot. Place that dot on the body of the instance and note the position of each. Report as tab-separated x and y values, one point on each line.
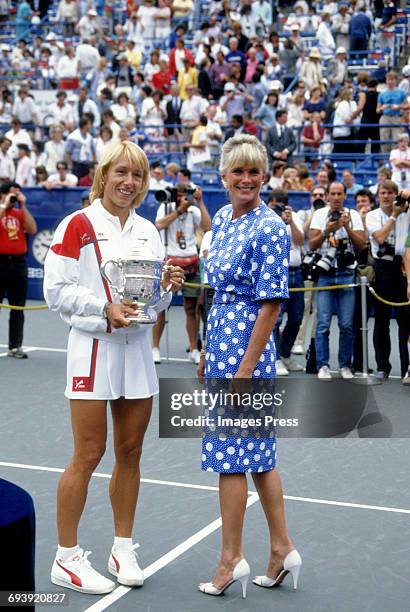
142	319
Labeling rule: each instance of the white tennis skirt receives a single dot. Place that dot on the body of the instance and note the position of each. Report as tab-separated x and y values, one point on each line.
106	370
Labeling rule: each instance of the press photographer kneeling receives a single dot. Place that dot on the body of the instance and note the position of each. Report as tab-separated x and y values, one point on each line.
182	210
335	233
388	227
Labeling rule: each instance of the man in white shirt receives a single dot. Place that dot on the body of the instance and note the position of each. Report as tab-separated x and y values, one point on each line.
86	105
88	57
157	180
61	112
89	25
388	227
7	170
62	178
25	168
24	108
17	135
336	233
192	108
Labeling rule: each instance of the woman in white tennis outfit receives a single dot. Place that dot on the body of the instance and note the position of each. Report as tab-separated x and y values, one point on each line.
107	360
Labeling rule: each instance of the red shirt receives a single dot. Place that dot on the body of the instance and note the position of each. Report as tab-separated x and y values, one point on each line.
307	132
85	181
12	235
162	81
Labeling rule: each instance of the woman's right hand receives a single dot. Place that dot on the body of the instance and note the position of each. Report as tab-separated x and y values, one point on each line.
117	314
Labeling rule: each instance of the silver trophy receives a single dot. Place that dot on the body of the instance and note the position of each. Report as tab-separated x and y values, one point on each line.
139	280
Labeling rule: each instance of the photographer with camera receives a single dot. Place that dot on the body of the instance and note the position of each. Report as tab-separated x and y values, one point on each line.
15	222
336	233
318	200
182	210
388	227
294	305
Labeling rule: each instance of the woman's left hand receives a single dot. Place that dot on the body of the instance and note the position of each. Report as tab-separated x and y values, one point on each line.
173	279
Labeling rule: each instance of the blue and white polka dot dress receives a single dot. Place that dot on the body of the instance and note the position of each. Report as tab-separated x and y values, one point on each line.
247	263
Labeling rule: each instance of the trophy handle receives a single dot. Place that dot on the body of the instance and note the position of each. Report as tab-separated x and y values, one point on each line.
105	275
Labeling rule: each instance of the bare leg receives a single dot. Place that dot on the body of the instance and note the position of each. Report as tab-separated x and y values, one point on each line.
130	420
269	487
192	323
89	425
158	329
233	494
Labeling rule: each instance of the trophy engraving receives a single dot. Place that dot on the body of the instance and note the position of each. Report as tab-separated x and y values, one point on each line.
139	280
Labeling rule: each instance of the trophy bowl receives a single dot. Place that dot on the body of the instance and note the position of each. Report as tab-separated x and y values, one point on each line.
139	282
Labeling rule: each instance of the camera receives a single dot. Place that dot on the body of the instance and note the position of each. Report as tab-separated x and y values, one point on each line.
326	262
13	200
344	256
401	202
279	208
169	194
386	251
309	267
335	215
318	203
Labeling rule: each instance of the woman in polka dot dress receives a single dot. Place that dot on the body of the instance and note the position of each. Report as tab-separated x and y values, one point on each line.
247	267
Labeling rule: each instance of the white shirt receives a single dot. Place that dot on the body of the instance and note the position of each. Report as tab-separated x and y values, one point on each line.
25	110
344	110
401	176
60	114
67	67
72	279
20	137
320	219
55	152
186	223
70	178
88	56
24	172
376	219
7	169
192	108
295	258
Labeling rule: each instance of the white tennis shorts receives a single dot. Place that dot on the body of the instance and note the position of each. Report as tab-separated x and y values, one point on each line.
99	369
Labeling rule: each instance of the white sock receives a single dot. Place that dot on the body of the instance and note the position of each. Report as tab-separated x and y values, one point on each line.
65	553
121	543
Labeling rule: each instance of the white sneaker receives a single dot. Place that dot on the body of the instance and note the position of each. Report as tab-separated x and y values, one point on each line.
156	355
298	349
324	373
123	564
77	573
291	364
195	356
281	369
346	373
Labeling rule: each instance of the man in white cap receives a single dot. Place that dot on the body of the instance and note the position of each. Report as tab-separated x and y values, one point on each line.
311	70
89	25
324	35
234	99
340	26
296	38
337	70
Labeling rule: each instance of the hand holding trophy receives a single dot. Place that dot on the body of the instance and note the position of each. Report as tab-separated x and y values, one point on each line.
141	277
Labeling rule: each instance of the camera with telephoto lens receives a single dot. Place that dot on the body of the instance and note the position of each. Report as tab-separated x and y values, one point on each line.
279	208
386	251
318	203
169	194
310	271
326	261
13	201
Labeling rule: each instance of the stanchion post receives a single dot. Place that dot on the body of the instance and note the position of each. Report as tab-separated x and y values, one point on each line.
365	378
364	329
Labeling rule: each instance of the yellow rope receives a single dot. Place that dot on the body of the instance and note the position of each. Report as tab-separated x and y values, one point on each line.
8	307
378	297
325	288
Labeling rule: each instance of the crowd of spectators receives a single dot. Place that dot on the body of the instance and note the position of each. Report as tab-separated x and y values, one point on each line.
302	76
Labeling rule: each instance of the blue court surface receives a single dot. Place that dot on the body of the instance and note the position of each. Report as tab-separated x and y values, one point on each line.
347	498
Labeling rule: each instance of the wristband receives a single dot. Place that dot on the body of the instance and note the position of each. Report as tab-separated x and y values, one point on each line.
391	218
3	206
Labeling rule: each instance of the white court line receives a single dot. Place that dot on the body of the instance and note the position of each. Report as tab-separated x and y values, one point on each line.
27	349
170	483
170	556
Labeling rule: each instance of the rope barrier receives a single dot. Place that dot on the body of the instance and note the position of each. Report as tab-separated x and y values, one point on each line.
203	286
378	297
9	307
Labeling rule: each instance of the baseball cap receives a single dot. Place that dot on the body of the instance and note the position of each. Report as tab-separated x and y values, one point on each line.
229	87
295	26
406	71
340	50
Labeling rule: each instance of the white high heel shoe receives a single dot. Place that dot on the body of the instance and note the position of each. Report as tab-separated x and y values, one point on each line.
241	572
291	564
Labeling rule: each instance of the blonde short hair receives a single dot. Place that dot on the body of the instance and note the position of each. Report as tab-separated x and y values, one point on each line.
134	155
241	150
